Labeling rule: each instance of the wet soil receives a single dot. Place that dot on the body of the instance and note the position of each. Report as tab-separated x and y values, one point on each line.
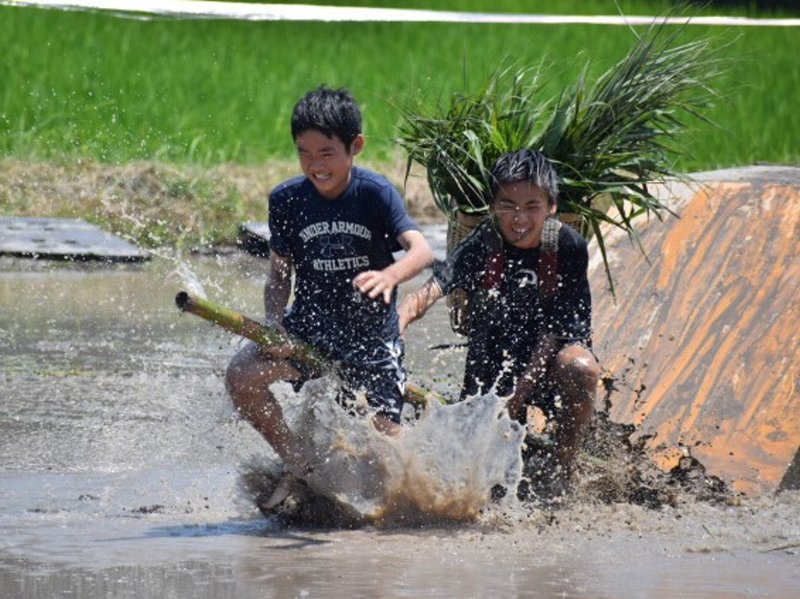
124	472
610	469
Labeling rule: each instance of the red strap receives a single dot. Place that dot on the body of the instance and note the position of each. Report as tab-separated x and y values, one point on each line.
548	259
548	275
495	259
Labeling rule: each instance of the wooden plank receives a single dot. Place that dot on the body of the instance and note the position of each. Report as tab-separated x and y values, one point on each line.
254	238
63	239
704	340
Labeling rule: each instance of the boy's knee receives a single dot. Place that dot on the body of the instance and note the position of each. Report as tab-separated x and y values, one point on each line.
251	372
247	383
576	364
244	373
233	378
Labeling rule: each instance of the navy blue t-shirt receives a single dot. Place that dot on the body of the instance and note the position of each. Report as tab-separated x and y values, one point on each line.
505	323
330	242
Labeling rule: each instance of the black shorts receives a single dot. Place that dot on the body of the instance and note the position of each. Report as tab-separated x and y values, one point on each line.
381	380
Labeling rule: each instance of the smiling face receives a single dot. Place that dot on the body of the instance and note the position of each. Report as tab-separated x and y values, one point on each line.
520	210
326	161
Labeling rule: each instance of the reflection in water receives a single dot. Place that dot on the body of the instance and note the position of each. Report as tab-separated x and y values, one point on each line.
120	461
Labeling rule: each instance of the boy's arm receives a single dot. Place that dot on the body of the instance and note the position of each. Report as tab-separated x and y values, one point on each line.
383	282
541	357
277	290
417	303
569	324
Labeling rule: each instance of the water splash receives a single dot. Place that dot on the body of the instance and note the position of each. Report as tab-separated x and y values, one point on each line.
442	467
181	271
187	278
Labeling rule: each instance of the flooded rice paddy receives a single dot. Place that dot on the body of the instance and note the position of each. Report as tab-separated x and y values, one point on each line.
121	462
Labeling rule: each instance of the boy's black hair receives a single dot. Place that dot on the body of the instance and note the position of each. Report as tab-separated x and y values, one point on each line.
525	165
329	111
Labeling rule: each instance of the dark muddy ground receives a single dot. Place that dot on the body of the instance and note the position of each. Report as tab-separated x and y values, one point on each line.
124	472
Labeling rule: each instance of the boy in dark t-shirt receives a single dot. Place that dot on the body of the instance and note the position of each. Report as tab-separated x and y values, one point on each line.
529	304
335	228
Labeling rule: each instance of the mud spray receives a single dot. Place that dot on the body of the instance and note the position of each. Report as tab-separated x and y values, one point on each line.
444	465
440	468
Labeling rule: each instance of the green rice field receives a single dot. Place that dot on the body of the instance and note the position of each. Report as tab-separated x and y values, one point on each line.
94	86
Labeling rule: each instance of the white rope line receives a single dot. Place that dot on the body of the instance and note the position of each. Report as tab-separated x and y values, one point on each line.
307	12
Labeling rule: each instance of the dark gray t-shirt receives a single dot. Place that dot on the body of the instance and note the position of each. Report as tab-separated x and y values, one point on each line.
330	242
506	321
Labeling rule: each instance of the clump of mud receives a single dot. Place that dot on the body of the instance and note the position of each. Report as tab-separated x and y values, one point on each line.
302	508
613	469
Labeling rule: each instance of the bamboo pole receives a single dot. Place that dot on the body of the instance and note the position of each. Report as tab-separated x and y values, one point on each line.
267	337
239	324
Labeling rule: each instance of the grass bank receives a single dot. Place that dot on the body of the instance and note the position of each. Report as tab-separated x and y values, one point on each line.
94	86
203	106
156	204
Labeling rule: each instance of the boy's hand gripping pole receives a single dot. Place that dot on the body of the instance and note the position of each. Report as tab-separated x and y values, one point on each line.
267	337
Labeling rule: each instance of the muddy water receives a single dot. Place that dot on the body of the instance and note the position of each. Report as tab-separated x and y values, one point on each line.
120	462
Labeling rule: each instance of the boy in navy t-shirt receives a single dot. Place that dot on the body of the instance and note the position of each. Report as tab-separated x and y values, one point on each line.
335	228
529	304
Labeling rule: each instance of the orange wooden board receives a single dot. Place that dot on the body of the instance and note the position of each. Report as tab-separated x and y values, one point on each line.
704	339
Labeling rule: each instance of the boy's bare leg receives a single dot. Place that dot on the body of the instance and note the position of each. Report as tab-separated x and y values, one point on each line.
577	374
247	379
386	426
